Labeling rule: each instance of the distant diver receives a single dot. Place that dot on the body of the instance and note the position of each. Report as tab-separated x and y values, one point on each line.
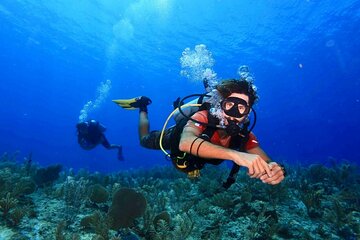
219	130
91	133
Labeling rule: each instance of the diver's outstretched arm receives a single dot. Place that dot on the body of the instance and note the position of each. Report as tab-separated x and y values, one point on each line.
191	143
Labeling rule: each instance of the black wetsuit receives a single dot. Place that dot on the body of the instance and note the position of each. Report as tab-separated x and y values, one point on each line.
91	133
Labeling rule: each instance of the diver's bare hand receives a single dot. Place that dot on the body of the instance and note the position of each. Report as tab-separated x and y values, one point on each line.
256	165
277	174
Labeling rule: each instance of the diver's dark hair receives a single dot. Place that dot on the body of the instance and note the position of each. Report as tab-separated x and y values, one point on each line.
229	86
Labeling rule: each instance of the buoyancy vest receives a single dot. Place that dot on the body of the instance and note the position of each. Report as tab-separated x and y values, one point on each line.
188	163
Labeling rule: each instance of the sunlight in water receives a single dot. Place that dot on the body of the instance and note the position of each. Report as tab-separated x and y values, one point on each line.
123	30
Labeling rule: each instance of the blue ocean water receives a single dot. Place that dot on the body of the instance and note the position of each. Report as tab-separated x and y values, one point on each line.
55	54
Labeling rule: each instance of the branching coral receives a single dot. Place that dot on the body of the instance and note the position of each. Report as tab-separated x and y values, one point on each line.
24	186
7	178
162	227
74	191
223	200
163	231
16	215
147	229
312	201
277	193
346	226
264	225
184	225
7	203
59	231
98	222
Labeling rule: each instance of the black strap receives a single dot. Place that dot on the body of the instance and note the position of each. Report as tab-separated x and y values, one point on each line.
237	143
201	99
232	176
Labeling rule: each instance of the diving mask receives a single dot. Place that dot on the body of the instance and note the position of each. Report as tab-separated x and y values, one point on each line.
235	107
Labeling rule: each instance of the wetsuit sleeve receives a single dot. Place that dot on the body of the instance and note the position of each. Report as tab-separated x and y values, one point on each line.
252	142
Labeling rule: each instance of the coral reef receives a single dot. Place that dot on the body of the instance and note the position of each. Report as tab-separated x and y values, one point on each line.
127	204
46	176
314	202
98	194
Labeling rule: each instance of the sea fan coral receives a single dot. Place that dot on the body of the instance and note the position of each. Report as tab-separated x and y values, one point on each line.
127	205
